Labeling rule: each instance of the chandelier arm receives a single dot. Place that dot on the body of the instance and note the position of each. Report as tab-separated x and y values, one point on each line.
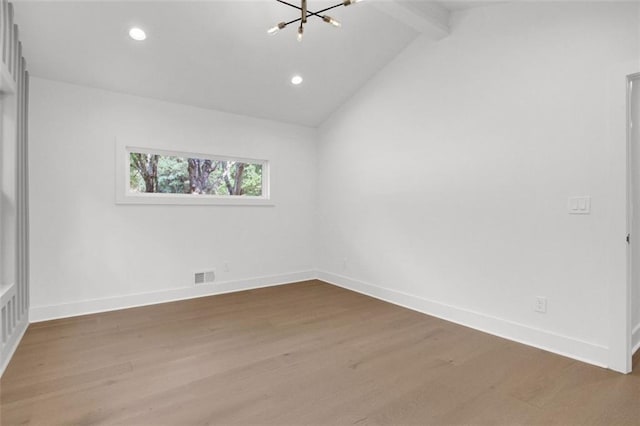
289	4
291	22
308	11
325	9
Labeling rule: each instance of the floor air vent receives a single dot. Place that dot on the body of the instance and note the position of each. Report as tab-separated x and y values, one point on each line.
204	277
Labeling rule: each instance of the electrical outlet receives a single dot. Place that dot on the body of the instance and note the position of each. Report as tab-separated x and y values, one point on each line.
227	266
541	304
344	264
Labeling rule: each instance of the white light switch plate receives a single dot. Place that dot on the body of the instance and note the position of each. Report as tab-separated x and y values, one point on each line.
579	205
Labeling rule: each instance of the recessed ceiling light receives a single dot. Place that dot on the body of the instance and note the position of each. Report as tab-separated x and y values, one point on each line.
296	79
137	34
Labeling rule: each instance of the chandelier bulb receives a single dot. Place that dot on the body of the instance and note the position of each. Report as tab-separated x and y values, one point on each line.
330	20
305	13
276	28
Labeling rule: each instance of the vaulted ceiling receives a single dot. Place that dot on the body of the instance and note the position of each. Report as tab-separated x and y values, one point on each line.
217	54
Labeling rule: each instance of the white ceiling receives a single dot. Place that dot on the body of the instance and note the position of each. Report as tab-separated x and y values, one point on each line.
213	54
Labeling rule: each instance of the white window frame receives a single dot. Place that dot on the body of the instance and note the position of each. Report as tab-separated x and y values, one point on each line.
125	196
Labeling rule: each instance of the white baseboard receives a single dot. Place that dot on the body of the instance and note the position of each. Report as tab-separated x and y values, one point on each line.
635	339
12	345
45	313
563	345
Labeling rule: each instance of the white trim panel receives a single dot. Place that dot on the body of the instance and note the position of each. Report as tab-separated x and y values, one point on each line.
10	348
563	345
45	313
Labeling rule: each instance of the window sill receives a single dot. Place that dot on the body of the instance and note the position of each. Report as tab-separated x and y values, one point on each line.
193	200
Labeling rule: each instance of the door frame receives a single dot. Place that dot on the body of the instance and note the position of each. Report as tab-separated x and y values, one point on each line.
631	348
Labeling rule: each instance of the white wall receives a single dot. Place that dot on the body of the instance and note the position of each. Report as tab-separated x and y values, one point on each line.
442	185
90	254
444	182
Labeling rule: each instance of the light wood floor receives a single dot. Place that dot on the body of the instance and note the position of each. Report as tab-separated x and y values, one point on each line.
308	353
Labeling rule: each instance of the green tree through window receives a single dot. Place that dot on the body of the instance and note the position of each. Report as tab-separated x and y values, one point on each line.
155	173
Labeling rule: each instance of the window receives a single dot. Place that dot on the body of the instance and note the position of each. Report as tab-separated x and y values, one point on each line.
153	176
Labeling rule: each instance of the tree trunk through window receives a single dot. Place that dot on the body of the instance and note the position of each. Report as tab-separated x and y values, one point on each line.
199	171
147	166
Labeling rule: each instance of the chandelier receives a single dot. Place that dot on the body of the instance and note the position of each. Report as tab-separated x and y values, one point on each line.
305	13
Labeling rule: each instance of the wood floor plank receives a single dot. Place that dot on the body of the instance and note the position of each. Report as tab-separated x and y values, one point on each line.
308	353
